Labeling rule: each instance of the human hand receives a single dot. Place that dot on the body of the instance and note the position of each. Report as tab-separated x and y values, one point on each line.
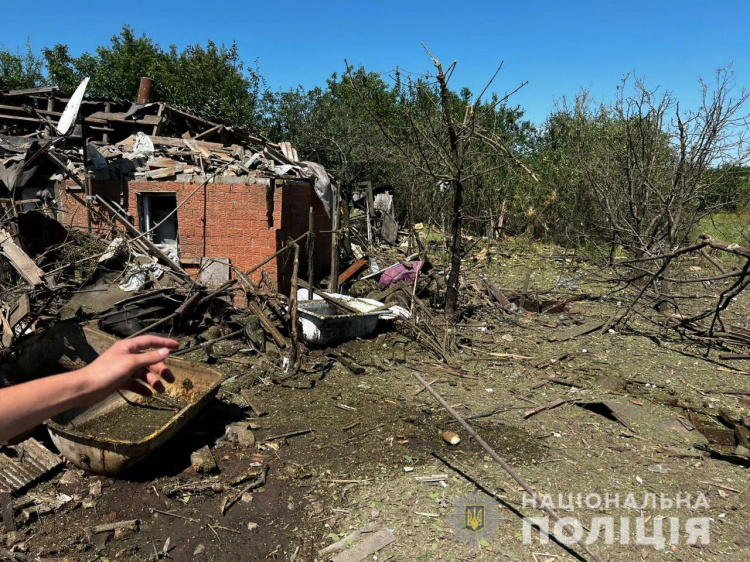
123	365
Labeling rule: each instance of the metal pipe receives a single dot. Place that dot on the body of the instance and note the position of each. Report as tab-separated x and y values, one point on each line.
146	91
310	251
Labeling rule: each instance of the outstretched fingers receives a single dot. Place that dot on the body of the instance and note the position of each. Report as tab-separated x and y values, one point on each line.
163	371
134	386
142	343
150	378
152	359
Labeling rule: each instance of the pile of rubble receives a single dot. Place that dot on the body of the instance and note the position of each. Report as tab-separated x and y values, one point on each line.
143	140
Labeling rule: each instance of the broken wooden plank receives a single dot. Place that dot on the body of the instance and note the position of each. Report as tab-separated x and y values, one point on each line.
548	406
180	143
20	259
353	270
498	295
725	356
130	524
431	478
198	148
7	337
348	540
20	310
268	326
246	396
575	331
338	303
369	545
104	117
166	172
208	132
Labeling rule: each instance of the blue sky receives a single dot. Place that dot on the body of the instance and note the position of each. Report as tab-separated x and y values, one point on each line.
559	47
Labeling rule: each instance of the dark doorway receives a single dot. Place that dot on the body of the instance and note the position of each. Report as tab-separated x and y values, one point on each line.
155	207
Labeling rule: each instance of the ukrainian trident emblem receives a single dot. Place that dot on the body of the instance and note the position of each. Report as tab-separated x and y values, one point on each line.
475	518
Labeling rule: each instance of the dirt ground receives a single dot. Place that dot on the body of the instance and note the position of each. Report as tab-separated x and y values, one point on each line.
372	434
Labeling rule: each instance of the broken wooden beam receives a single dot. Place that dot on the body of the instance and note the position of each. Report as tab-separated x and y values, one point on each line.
499	296
268	326
334	301
369	545
347	540
353	270
20	260
575	331
130	524
548	406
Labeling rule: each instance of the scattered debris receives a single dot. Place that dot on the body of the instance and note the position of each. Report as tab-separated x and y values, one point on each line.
368	544
203	461
23	464
129	525
259	481
576	331
451	437
241	433
348	540
548	406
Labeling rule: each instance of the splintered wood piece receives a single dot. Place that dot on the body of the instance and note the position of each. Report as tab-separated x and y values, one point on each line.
246	396
267	324
543	407
370	544
575	331
353	270
130	524
20	259
498	295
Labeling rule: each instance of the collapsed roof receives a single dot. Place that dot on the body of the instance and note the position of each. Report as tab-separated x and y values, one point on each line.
143	140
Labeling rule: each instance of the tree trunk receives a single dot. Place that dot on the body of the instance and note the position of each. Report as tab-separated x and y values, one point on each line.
346	241
451	294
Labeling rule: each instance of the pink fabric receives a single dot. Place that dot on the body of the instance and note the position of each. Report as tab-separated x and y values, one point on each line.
398	272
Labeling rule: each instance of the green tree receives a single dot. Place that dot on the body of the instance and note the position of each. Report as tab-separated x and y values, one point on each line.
212	79
21	70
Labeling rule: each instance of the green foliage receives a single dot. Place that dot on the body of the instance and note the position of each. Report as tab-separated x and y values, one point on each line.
732	227
635	173
212	79
20	70
729	187
330	126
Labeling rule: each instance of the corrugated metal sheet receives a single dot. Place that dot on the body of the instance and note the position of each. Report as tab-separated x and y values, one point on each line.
22	464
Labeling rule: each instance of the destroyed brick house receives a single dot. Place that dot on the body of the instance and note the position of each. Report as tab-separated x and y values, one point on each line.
212	196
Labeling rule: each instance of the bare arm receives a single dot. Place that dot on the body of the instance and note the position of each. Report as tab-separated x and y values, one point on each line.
26	405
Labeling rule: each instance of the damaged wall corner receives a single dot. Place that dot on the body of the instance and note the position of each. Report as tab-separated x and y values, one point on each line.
231	221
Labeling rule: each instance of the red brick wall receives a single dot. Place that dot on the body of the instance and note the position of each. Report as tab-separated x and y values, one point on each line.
223	220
